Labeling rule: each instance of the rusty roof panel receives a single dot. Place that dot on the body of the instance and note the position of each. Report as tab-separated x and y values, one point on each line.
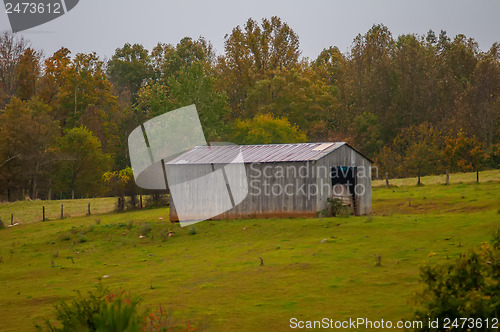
256	153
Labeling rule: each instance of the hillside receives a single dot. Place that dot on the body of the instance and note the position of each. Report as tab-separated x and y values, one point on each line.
211	275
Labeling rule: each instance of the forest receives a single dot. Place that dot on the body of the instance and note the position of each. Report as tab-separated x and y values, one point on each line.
414	104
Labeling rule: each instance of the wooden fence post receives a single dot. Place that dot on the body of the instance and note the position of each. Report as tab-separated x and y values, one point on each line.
43	213
386	179
447	178
62	211
88	210
12	218
140	198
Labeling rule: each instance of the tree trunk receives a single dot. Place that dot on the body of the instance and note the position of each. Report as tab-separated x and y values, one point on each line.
49	195
73	193
34	181
386	180
477	175
447	178
418	182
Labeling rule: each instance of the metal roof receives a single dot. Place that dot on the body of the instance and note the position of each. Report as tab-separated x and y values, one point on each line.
256	153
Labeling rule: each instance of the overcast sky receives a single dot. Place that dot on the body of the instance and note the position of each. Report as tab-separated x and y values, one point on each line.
104	25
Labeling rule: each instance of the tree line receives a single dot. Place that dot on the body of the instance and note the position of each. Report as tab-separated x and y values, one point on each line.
416	104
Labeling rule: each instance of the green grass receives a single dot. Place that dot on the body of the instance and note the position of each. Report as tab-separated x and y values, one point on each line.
31	211
455	178
213	275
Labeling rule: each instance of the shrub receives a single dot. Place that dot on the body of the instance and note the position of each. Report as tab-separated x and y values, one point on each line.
105	311
157	200
2	226
130	224
468	287
192	230
145	229
338	209
101	311
64	236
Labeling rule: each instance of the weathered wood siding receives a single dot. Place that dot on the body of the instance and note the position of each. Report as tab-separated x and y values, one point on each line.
273	195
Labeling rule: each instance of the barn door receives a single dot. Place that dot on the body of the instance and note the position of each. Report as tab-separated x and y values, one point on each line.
343	185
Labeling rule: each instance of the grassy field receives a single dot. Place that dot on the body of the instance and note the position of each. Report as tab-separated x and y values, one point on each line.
211	275
31	211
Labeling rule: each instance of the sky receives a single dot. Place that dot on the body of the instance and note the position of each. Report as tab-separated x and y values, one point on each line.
104	25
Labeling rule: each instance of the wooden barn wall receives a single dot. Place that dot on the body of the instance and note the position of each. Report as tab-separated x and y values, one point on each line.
258	203
302	202
346	156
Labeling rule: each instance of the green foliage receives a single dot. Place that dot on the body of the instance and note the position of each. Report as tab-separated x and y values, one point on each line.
128	68
145	229
468	287
254	52
196	85
416	151
193	230
265	129
337	208
82	162
100	311
121	183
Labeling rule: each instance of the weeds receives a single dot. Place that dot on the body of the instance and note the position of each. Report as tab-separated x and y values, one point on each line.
192	230
145	229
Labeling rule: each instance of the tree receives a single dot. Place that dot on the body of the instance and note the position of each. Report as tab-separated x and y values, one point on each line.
254	53
29	132
196	85
265	129
82	162
468	287
464	154
416	151
121	183
295	95
167	60
28	73
129	67
366	134
12	49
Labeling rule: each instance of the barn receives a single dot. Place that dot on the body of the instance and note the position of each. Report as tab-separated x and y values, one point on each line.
274	180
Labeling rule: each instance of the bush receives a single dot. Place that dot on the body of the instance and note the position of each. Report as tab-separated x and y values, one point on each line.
157	200
105	311
192	230
145	229
337	208
2	226
101	311
468	287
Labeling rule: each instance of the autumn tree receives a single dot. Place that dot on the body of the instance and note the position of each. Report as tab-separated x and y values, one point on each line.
255	52
416	151
464	154
81	162
28	73
121	183
295	95
167	60
12	49
266	129
28	133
